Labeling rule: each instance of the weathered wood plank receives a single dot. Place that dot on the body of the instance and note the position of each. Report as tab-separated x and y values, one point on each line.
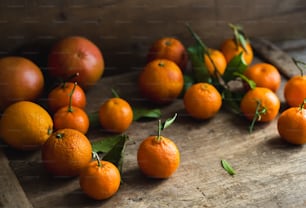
12	194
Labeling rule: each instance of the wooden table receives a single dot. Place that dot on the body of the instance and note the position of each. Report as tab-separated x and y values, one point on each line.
270	172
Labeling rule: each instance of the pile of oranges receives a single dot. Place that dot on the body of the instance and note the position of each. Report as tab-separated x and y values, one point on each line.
59	128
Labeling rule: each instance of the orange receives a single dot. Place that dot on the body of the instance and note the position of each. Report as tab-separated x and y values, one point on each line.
100	180
76	54
20	79
66	152
168	48
218	60
25	125
264	75
161	81
59	96
295	91
230	49
115	115
291	125
202	100
158	157
71	117
263	99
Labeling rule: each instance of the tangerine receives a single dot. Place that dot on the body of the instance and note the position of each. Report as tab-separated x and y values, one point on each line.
66	152
168	48
260	102
229	48
291	125
161	81
100	179
219	62
115	115
158	157
60	96
264	75
202	100
295	90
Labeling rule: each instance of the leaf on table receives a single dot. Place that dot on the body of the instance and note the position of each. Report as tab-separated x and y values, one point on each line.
226	166
115	154
106	144
139	113
168	122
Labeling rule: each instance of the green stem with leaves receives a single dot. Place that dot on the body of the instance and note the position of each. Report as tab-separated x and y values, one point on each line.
260	110
70	109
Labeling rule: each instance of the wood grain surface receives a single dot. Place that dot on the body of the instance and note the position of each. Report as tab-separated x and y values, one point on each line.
269	171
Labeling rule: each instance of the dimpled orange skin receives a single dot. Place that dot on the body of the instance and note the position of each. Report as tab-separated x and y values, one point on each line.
267	98
202	101
291	125
66	155
295	91
161	81
219	61
264	75
115	115
168	48
229	50
100	182
158	158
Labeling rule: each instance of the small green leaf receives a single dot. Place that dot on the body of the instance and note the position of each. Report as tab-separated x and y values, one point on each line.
226	166
106	144
94	119
188	82
168	122
250	82
139	113
115	93
200	71
236	64
115	155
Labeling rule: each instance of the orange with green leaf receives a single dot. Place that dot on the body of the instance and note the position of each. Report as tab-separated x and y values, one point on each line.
239	44
158	156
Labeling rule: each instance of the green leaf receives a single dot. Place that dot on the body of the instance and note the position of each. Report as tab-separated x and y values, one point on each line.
94	119
200	71
168	122
188	82
250	82
139	113
232	100
115	93
236	64
226	166
115	155
106	144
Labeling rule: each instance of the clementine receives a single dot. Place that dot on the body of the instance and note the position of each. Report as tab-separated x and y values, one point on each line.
25	125
202	100
261	103
66	152
161	81
264	75
216	61
76	54
230	49
115	115
169	48
20	80
291	125
158	157
59	96
295	90
100	179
